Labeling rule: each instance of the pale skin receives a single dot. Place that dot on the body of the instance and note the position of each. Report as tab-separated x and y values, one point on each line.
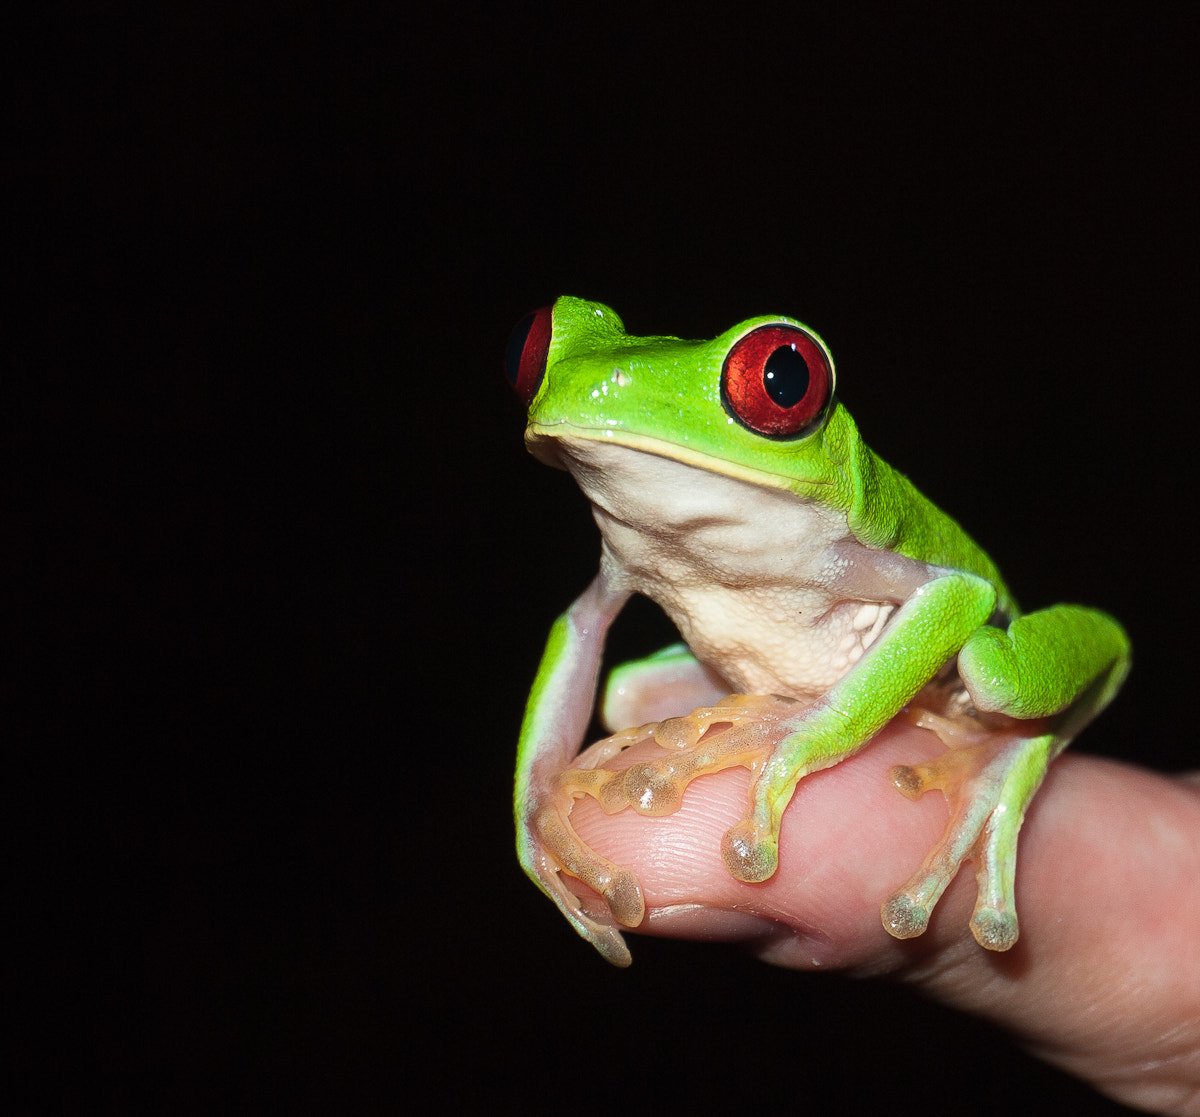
1105	980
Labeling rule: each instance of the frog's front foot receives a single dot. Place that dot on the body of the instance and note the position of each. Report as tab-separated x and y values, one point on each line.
739	730
988	779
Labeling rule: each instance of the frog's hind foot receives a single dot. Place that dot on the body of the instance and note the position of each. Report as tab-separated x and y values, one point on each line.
988	779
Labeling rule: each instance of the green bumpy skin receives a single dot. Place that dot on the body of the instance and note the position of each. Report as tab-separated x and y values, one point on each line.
811	582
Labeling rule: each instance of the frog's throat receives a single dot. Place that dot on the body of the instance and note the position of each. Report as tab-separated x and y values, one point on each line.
544	439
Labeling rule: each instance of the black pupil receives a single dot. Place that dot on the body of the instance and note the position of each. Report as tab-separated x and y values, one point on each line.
516	348
785	376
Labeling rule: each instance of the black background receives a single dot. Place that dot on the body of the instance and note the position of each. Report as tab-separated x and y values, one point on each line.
281	568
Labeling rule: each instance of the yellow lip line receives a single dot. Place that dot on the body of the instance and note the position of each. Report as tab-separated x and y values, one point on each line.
664	449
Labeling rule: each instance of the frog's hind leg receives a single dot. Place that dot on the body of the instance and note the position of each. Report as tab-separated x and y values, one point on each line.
1035	686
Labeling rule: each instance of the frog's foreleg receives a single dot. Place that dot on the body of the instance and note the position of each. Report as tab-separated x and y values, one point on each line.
1050	673
556	720
931	625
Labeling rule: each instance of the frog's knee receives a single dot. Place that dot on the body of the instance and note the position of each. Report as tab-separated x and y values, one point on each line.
988	665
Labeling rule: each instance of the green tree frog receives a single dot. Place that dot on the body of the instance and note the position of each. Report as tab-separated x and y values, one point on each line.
809	580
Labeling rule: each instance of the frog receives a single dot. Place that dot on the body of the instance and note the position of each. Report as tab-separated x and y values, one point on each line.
818	594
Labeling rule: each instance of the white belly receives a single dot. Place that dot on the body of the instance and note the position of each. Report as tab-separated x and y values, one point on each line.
753	577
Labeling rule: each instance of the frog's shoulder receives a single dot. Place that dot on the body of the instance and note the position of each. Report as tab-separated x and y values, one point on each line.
886	511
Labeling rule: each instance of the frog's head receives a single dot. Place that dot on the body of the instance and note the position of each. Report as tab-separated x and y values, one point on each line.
757	402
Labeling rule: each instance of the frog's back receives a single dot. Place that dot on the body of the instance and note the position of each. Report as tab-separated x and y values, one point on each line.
885	511
888	512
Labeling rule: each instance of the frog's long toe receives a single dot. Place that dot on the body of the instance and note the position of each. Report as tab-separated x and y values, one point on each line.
618	886
988	787
573	856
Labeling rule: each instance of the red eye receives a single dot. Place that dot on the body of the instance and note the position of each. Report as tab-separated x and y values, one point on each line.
777	381
525	360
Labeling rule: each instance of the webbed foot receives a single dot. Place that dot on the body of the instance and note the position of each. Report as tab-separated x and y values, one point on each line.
988	777
739	730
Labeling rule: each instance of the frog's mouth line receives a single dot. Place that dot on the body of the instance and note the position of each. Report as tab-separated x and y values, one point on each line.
543	441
